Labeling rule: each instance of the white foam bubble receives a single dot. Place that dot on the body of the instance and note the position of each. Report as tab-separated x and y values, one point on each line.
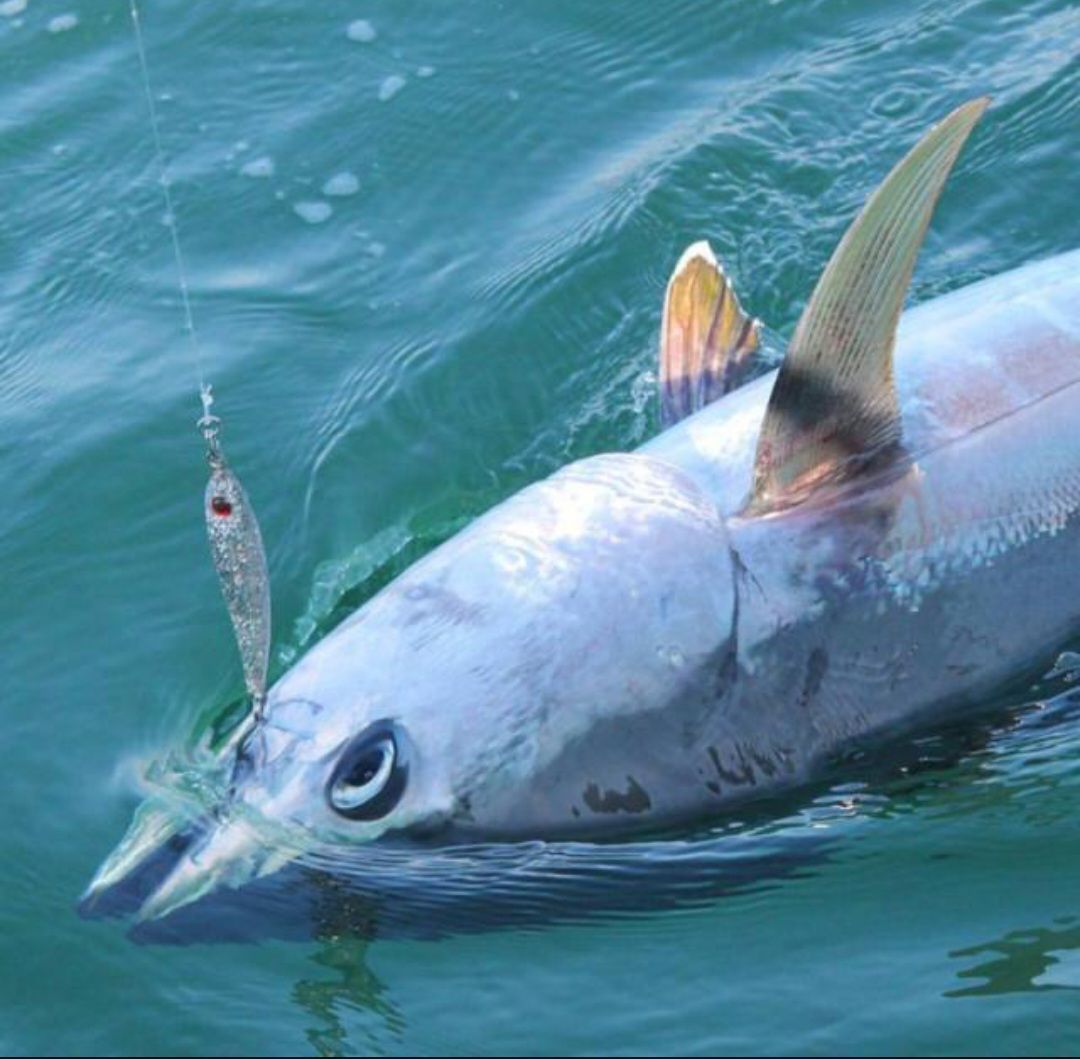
344	183
362	31
313	212
425	71
390	87
62	23
259	167
11	8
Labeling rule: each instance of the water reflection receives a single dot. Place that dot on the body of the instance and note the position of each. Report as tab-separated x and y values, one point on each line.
417	893
1024	961
351	985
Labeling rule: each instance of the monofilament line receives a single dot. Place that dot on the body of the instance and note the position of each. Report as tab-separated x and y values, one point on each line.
170	214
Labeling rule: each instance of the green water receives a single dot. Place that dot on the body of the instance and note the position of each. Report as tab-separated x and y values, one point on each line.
480	309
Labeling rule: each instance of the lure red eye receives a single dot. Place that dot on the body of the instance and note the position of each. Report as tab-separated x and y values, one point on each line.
220	506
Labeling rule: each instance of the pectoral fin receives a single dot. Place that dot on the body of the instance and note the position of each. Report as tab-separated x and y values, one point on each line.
706	340
834	408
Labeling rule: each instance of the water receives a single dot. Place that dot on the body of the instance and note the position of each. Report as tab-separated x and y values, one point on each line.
427	246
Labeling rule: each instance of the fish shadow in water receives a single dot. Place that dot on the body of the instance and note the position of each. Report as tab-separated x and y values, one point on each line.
434	892
1024	961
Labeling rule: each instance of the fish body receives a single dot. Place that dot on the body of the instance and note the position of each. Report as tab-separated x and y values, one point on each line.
877	533
673	656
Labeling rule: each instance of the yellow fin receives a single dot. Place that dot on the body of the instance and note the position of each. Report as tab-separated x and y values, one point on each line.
706	339
834	407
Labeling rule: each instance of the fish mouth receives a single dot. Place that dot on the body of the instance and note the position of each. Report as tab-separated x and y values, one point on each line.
165	862
155	841
229	855
179	848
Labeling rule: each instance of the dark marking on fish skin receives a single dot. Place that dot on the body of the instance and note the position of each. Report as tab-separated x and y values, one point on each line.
959	670
714	685
817	666
747	768
899	665
781	759
463	808
742	575
766	764
635	800
727	673
742	777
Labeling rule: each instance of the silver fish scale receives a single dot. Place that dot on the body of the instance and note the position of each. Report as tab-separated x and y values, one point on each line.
240	561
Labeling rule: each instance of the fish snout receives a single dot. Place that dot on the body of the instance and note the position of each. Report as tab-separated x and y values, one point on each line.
155	840
229	854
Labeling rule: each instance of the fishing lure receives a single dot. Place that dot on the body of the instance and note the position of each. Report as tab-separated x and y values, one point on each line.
239	558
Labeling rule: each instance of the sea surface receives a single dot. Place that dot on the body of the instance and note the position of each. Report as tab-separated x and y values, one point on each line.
427	245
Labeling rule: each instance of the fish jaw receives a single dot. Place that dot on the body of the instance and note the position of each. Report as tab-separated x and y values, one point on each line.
231	854
167	860
153	827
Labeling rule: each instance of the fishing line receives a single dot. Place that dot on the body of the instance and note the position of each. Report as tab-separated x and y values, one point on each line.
235	540
208	423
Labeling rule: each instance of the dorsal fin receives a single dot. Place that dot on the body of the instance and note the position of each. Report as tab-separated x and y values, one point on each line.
706	339
834	407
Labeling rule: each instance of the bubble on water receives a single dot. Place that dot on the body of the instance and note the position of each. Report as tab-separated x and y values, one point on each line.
390	87
314	212
259	167
643	391
425	71
513	95
344	183
62	23
376	249
895	102
1067	667
362	31
11	8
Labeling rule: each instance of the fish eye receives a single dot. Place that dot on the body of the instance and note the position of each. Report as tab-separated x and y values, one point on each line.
369	777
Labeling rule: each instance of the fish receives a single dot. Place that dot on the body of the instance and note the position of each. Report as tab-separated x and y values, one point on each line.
865	540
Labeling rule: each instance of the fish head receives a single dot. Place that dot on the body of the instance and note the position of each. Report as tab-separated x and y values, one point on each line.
484	690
